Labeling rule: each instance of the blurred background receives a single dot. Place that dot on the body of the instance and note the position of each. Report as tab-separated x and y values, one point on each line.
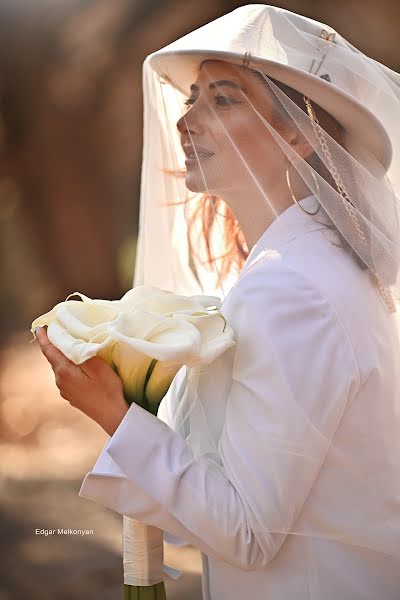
70	155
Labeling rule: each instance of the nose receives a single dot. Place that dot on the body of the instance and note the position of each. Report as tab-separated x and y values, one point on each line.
189	123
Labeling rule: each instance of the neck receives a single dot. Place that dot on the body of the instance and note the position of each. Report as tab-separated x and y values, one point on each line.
255	211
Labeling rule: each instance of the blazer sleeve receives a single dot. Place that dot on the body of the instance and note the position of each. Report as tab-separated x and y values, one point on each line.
294	372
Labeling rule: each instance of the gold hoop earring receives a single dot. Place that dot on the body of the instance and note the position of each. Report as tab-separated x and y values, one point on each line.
294	197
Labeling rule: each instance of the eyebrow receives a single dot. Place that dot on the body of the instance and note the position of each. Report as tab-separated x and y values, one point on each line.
220	83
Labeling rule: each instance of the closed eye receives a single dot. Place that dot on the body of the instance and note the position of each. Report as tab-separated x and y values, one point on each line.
220	100
225	100
190	101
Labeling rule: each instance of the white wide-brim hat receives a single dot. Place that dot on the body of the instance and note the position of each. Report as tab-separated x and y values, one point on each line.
306	55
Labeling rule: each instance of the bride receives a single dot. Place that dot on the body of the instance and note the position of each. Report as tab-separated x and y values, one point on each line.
270	172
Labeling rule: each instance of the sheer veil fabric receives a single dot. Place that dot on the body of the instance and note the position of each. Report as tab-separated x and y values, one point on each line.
260	46
240	116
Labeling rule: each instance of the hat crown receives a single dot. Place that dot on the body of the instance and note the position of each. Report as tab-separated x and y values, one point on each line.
265	32
271	33
300	52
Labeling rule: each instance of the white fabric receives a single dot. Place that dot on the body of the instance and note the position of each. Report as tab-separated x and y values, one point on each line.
331	348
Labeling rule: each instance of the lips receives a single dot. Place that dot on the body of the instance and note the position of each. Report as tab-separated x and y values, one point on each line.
198	152
194	156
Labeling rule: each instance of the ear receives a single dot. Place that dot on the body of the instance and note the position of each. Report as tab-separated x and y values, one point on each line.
301	145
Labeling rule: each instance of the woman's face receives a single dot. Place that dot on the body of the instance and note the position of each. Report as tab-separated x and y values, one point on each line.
226	143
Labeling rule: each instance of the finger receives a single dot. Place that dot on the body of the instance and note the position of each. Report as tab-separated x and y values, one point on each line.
95	367
55	357
62	376
65	396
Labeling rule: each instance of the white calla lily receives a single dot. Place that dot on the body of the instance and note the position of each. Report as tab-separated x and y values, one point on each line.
77	349
146	337
215	334
157	336
80	318
160	377
172	303
142	338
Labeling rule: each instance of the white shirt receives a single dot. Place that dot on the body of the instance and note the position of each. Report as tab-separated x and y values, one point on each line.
306	414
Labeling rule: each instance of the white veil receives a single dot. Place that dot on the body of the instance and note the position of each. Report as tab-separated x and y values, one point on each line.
292	74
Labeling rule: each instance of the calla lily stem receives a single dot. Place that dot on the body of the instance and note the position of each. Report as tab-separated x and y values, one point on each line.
148	592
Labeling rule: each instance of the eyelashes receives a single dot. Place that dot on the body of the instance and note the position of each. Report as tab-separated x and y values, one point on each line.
220	100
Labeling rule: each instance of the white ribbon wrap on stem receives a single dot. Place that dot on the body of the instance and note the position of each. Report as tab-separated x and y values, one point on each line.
143	549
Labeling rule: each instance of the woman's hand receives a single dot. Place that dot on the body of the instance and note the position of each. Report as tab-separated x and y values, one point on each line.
92	387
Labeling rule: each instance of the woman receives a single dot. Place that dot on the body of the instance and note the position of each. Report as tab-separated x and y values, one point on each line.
280	461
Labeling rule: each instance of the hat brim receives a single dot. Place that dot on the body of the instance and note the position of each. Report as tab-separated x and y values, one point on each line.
364	130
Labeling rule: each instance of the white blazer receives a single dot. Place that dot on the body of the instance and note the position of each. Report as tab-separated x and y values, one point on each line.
333	354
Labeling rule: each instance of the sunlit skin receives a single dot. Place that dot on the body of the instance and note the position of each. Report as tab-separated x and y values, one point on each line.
247	168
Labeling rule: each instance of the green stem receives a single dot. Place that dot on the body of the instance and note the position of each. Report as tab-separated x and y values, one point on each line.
141	401
148	375
145	592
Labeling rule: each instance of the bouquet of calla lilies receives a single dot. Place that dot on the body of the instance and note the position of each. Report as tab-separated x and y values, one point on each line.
146	337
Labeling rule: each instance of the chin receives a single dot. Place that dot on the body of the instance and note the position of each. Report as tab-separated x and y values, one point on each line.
198	184
195	184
